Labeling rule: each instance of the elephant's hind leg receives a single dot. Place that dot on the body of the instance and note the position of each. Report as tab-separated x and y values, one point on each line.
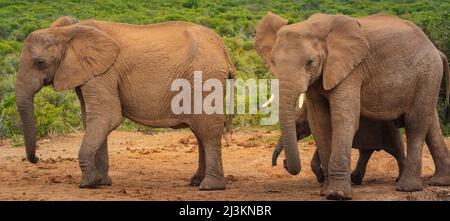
394	146
440	154
416	127
360	170
200	174
316	167
209	133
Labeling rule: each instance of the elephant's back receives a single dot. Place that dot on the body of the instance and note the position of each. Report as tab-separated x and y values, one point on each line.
383	28
176	43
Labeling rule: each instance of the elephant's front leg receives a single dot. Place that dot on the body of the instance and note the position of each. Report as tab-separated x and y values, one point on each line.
320	124
93	155
102	164
344	110
102	115
101	157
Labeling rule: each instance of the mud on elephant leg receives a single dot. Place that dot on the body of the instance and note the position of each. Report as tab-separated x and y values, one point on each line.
440	154
360	170
200	174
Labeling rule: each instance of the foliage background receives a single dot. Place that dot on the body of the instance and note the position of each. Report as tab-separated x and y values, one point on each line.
234	20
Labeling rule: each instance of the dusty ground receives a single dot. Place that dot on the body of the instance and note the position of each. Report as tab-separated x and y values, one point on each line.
159	166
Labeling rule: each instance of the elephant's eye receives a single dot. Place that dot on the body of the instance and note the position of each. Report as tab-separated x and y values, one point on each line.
272	62
309	63
40	63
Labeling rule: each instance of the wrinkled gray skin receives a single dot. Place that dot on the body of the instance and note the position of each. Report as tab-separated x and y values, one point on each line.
124	70
380	67
371	136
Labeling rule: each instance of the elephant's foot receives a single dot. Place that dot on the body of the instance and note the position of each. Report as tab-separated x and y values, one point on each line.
339	190
357	178
90	179
196	180
212	183
106	181
439	180
409	184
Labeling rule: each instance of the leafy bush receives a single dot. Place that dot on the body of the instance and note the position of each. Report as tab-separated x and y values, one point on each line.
234	20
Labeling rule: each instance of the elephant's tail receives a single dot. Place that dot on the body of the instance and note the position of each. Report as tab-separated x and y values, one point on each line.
447	89
229	118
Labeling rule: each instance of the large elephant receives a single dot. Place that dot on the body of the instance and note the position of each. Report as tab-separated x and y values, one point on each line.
371	136
380	67
125	70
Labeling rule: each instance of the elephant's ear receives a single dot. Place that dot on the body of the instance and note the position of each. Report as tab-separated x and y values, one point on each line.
89	53
266	34
64	21
346	48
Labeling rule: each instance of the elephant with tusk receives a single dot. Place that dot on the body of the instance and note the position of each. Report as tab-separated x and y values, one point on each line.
379	67
371	136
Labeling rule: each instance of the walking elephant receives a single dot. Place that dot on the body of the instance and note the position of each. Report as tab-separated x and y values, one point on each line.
379	67
125	70
371	136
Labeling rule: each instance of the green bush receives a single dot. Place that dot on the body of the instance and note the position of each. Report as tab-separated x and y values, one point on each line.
234	20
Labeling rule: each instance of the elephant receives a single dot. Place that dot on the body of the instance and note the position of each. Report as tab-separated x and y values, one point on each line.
123	70
371	136
351	67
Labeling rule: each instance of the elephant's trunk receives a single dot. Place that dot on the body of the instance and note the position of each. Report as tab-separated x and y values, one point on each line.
287	124
25	106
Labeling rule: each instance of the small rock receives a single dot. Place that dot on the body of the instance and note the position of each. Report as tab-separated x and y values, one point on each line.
191	150
230	178
123	191
55	180
250	144
184	141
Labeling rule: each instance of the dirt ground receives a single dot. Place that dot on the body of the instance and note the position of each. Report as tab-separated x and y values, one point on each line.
159	166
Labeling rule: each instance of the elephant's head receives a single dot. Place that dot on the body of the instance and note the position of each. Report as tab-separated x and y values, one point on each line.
325	47
66	55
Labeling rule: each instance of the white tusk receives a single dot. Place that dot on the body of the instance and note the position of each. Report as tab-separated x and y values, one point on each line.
301	100
269	101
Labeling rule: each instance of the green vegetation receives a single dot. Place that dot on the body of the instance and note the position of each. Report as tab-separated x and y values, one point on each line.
235	20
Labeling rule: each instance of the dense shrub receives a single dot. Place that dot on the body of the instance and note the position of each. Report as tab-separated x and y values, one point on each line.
235	20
